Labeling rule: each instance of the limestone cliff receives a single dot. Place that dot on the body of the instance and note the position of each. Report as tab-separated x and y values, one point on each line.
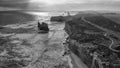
59	18
94	39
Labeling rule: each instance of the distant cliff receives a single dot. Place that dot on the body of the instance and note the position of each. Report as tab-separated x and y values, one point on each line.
60	18
94	40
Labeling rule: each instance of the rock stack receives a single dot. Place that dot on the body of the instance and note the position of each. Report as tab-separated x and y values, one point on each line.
43	27
57	18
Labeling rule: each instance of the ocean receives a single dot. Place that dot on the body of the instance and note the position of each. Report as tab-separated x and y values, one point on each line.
21	29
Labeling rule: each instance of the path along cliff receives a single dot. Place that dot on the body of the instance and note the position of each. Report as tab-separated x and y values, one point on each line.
93	42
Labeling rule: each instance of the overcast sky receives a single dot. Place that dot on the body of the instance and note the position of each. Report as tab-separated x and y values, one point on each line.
52	2
61	4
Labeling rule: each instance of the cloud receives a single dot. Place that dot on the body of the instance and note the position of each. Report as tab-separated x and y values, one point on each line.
51	4
90	1
86	5
54	2
14	1
59	2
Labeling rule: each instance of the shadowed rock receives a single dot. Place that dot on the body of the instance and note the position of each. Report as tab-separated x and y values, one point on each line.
57	18
43	27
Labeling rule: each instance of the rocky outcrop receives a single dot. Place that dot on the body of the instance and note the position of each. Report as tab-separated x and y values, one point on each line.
93	41
43	27
57	18
60	18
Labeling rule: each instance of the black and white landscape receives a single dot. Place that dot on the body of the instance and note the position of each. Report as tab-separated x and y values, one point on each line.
59	34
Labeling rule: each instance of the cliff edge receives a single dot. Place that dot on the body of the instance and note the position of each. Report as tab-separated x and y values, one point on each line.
94	39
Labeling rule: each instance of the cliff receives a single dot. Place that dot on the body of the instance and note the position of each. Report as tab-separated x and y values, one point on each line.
59	18
94	39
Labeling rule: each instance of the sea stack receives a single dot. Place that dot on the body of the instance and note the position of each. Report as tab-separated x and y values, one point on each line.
43	27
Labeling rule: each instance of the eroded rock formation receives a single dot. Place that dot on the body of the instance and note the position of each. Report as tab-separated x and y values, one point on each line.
60	18
57	18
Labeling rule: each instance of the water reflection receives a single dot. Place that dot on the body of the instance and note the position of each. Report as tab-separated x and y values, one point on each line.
42	45
39	13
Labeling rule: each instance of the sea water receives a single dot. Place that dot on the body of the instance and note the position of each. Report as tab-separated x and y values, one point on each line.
46	45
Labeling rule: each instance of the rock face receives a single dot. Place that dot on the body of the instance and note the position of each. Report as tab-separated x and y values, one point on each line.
57	18
43	28
60	18
95	40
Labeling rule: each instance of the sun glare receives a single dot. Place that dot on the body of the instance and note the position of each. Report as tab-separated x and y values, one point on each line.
49	2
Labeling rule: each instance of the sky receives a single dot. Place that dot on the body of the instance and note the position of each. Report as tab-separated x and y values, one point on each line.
61	4
53	2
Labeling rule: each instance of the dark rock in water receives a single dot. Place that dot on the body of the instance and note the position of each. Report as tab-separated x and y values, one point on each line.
43	27
57	18
88	41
